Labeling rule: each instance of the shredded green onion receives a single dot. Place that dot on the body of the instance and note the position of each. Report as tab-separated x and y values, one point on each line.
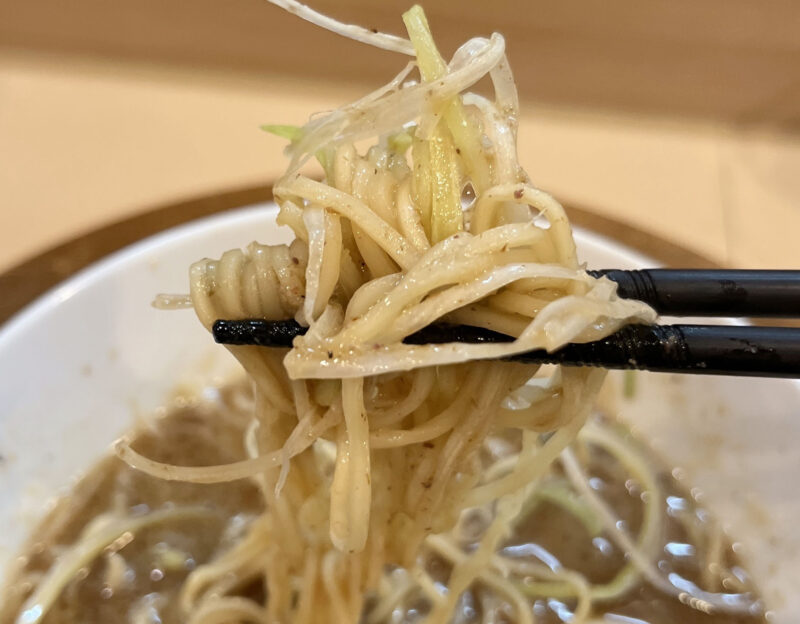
567	499
400	142
465	135
291	133
629	384
446	216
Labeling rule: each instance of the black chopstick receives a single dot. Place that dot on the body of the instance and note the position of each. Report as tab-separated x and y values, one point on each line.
702	292
699	349
709	349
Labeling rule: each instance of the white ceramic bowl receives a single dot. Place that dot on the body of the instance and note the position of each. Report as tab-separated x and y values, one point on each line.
81	362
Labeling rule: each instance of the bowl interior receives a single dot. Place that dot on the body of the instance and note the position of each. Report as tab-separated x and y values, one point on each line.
83	361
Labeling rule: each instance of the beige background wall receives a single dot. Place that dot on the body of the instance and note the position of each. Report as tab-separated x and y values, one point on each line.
679	117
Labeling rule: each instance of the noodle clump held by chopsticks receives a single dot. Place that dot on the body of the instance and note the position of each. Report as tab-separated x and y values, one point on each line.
365	447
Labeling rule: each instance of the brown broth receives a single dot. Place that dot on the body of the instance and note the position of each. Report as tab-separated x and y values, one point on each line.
198	434
564	537
158	559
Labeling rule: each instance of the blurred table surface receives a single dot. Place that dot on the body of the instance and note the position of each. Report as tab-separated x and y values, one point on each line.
103	120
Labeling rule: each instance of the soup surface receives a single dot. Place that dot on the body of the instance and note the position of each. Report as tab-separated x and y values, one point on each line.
138	576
